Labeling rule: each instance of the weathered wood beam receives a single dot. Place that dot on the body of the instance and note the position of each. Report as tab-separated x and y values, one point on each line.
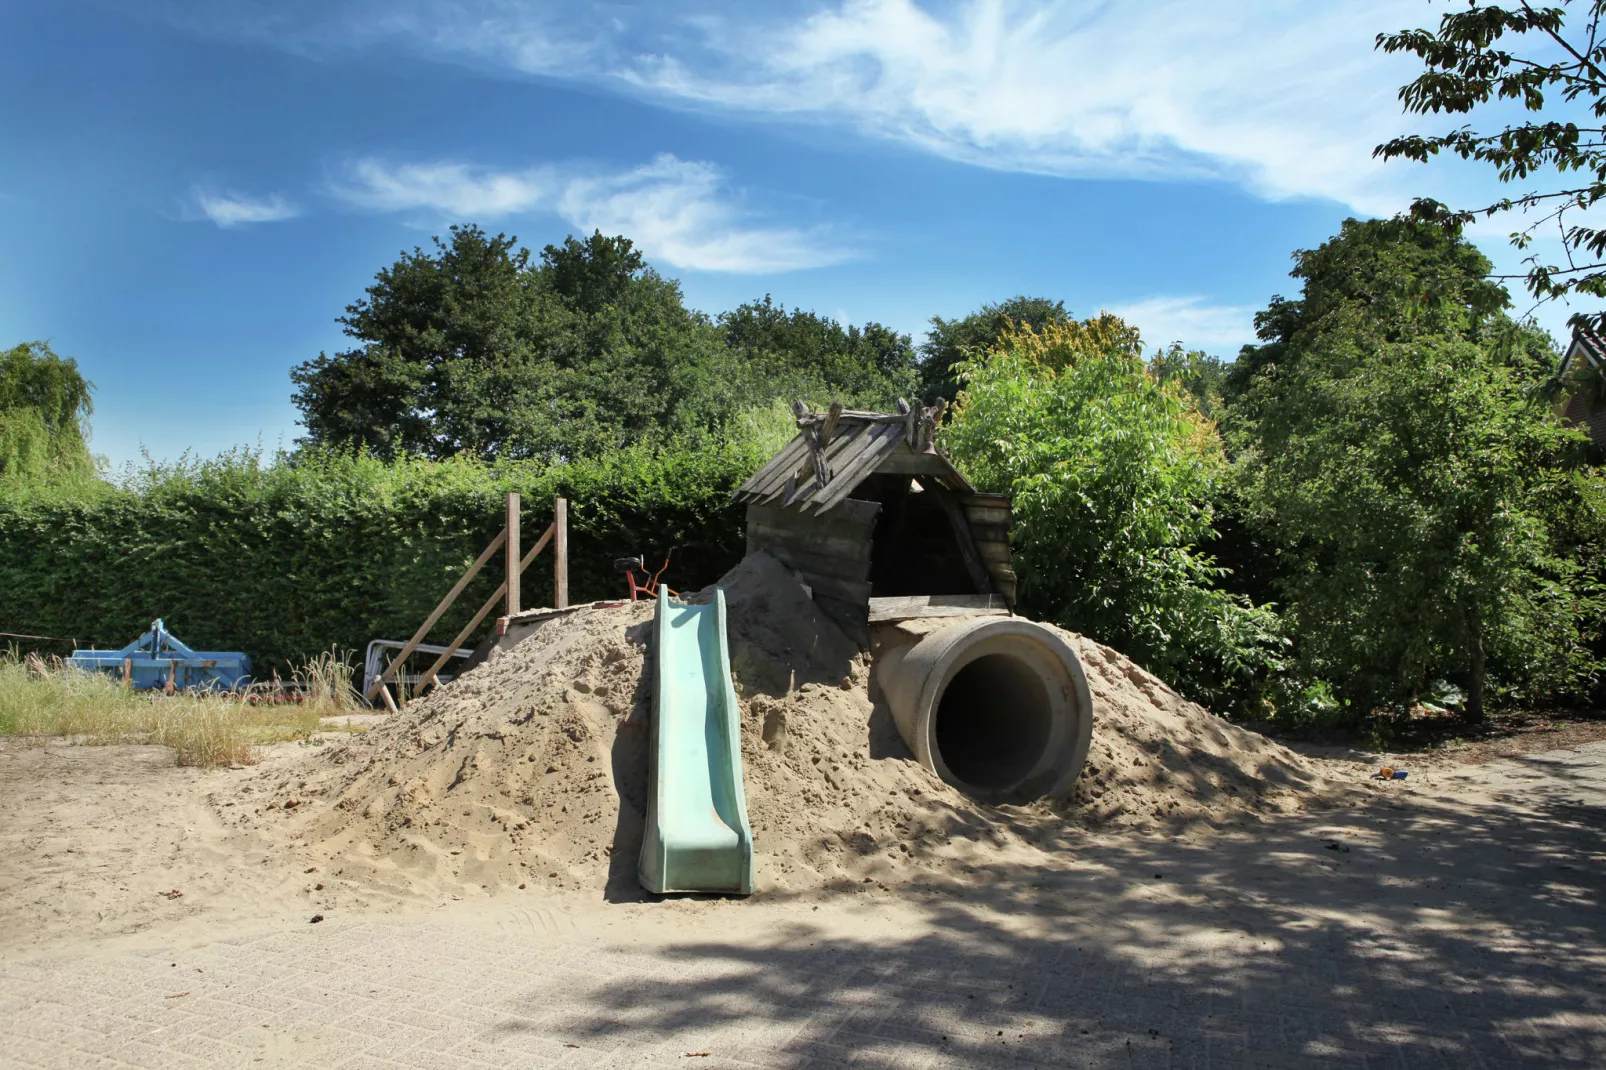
967	544
445	604
911	607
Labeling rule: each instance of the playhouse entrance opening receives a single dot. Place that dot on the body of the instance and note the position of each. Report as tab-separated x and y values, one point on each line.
915	550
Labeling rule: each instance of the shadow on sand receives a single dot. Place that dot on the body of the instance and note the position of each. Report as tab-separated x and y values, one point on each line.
1402	934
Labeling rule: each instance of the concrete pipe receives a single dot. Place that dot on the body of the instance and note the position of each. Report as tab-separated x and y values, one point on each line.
997	706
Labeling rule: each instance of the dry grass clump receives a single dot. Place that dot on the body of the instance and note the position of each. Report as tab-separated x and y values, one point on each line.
326	687
40	699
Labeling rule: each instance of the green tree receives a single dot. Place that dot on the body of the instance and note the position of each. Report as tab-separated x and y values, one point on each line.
1400	277
1200	376
44	415
1391	454
1529	55
472	348
1112	475
952	342
806	355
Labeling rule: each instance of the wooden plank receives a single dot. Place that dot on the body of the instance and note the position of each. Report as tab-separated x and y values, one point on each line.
857	523
853	511
510	553
992	552
843	549
773	476
445	604
795	457
810	526
524	563
828	429
989	533
906	462
881	439
961	529
560	552
841	454
958	482
782	462
988	514
909	607
814	563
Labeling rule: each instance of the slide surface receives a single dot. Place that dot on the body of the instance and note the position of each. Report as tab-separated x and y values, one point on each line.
697	837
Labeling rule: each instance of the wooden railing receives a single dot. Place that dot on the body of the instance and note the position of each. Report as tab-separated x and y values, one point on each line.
507	592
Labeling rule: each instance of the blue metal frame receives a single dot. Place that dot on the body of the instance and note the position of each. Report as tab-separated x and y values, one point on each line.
158	657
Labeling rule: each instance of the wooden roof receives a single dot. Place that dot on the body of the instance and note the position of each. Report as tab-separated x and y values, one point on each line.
835	450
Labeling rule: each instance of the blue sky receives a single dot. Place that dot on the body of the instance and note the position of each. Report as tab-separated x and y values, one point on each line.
192	194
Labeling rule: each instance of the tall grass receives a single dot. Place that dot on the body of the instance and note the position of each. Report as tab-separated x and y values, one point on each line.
40	699
325	682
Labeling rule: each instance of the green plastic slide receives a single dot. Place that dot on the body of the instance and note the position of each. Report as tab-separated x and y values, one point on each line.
697	837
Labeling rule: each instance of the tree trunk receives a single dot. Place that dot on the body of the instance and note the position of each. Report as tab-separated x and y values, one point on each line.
1474	712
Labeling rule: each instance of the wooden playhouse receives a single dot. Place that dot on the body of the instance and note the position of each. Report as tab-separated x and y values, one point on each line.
877	522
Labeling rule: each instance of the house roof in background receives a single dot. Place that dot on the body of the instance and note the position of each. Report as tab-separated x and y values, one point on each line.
1585	343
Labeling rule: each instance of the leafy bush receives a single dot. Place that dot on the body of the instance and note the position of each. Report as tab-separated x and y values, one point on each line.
284	557
1111	474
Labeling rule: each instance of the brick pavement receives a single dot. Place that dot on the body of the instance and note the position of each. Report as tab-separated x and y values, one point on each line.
1457	934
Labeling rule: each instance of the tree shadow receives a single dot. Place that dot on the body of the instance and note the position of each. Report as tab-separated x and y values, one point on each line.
1417	933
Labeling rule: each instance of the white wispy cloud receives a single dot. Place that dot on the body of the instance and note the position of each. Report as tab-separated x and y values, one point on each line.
1284	98
1191	320
680	212
448	188
230	209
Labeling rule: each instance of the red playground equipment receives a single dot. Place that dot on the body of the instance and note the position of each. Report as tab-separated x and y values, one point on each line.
648	588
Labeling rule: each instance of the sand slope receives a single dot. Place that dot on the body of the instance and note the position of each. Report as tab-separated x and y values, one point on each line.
531	769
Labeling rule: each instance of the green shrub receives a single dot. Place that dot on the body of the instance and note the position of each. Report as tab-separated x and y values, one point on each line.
285	557
1112	475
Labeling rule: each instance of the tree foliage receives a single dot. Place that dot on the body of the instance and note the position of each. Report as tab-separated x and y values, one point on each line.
284	557
1202	377
950	343
1112	474
473	349
476	348
45	406
805	355
1393	458
1556	71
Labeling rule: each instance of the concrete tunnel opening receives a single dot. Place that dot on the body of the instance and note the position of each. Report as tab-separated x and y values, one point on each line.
996	706
993	723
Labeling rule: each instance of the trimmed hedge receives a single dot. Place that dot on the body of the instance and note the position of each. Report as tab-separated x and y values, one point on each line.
293	556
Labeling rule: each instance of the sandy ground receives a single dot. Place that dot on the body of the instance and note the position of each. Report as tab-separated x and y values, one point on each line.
1455	922
95	841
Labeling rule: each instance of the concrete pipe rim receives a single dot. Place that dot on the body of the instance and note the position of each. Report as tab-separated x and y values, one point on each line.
1028	651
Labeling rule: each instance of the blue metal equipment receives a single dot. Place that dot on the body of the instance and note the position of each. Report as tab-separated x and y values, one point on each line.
158	659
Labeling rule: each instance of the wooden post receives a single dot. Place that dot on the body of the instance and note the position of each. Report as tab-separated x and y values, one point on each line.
512	553
560	553
445	603
490	603
128	672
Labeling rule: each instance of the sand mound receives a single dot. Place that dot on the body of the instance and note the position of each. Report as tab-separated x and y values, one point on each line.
532	768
